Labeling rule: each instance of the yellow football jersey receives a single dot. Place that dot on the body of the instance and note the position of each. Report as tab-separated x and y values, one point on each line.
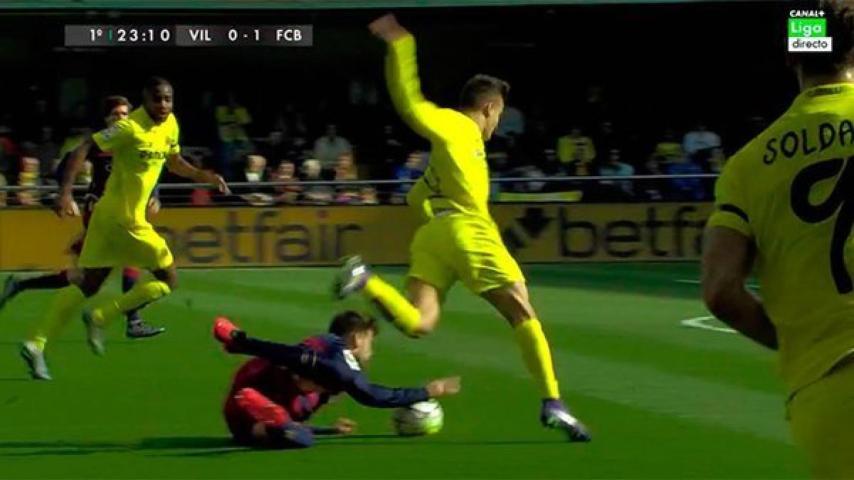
791	189
140	148
457	176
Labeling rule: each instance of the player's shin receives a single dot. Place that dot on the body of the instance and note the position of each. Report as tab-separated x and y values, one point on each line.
141	294
393	305
60	311
537	356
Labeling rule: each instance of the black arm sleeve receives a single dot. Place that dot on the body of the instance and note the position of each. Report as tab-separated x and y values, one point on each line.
294	357
377	396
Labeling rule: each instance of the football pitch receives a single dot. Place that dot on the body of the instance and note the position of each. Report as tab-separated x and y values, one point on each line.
663	400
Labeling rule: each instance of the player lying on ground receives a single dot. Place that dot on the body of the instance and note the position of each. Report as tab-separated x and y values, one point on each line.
274	394
115	108
460	240
119	234
787	211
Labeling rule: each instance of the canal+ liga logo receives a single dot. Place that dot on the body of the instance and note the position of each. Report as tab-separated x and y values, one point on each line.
808	31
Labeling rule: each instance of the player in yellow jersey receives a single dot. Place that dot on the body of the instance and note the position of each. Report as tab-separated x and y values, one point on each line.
785	208
459	240
119	234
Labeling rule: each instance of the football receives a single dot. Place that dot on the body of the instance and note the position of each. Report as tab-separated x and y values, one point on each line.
422	418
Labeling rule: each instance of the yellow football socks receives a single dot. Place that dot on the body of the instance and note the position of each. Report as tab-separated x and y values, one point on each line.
538	358
394	306
142	293
61	309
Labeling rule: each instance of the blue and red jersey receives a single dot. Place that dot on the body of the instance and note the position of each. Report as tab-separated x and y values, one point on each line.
337	371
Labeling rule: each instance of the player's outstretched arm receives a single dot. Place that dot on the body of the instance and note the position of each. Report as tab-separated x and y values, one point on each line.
378	396
65	204
177	165
727	262
401	69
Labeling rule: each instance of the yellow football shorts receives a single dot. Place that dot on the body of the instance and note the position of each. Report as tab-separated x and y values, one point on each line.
110	244
821	417
462	247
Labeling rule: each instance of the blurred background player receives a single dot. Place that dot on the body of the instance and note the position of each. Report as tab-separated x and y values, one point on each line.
788	213
459	241
115	108
272	395
119	234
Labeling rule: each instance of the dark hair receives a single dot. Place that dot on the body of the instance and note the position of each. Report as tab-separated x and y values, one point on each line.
152	83
346	323
480	88
840	27
114	101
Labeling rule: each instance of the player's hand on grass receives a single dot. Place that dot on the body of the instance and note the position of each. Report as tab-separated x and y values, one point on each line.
66	206
345	426
387	28
443	387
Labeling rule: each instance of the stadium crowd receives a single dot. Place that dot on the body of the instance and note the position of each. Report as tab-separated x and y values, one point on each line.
364	141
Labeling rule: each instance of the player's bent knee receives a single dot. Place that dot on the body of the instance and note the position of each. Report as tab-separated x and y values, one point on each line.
169	276
512	302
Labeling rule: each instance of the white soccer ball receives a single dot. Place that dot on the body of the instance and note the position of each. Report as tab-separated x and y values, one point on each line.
422	418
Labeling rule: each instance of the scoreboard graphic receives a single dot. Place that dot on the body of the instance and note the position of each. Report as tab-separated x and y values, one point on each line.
189	35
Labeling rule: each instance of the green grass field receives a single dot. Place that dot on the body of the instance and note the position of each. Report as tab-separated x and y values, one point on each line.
663	400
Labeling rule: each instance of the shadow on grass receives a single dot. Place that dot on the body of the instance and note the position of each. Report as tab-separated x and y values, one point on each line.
199	445
217	446
363	440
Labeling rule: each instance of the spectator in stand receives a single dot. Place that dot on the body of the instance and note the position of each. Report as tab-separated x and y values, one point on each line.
576	152
668	149
256	172
346	171
315	194
368	196
200	196
615	167
29	177
287	194
256	169
412	169
232	118
686	188
699	143
328	147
